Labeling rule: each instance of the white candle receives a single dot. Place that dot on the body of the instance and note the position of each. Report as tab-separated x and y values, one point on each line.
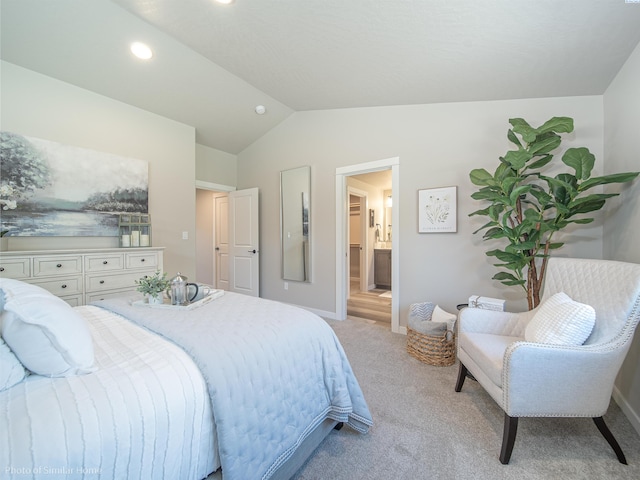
126	241
135	238
144	240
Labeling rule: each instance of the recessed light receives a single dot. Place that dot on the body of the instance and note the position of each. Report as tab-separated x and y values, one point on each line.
261	109
141	50
225	2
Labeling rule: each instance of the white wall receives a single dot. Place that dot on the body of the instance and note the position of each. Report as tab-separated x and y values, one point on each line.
437	146
39	106
622	224
216	166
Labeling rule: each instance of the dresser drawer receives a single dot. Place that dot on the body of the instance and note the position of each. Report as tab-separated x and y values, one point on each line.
17	267
73	300
141	260
61	286
60	265
97	296
103	263
100	283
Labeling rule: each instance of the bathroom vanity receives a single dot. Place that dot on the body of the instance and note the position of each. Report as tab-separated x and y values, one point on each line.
382	267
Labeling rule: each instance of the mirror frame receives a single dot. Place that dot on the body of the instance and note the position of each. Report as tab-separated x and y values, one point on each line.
295	220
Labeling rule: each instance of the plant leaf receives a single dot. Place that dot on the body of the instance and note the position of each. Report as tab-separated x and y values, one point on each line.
540	163
505	276
557	125
581	160
544	145
581	221
541	196
605	179
513	138
591	205
495	232
480	177
521	190
517	158
521	127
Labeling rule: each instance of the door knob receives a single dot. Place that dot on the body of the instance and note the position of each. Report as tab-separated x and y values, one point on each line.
252	251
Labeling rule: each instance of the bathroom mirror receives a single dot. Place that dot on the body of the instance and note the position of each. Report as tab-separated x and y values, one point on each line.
388	206
295	223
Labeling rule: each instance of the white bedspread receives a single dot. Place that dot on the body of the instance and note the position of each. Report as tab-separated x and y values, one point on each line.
144	414
274	373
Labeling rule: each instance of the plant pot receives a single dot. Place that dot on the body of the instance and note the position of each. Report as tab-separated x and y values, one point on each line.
155	300
4	244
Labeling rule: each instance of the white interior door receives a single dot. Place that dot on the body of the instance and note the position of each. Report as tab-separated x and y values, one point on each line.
244	253
222	242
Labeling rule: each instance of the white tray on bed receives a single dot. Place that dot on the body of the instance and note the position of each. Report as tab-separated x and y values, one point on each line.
167	302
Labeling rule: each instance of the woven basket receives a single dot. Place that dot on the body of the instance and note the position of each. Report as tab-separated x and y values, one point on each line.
432	349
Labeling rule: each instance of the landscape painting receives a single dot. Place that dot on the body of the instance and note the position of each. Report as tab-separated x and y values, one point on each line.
51	189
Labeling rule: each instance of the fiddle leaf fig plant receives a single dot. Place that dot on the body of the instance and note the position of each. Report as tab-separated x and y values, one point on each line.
527	209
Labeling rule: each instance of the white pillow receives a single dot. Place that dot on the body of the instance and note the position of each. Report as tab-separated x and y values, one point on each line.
11	370
17	288
46	334
440	315
561	321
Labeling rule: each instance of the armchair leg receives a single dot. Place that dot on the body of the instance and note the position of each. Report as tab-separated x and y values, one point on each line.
508	438
462	374
606	433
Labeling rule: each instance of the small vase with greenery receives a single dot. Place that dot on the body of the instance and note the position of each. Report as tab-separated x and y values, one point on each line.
528	208
153	286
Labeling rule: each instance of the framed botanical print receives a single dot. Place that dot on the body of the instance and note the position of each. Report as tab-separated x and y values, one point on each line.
437	210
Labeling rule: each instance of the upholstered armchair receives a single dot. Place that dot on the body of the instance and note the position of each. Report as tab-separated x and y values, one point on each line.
534	364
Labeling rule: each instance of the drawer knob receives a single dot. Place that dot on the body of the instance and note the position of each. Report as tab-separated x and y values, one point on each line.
142	260
64	285
59	265
1	269
105	262
101	281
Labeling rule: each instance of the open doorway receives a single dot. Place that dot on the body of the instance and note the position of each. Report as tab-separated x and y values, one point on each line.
208	232
370	292
343	174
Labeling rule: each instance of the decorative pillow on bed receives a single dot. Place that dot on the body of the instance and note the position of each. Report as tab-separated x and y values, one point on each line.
561	321
17	288
11	370
46	334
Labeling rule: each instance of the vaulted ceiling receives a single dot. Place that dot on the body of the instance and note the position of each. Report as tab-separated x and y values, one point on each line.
214	63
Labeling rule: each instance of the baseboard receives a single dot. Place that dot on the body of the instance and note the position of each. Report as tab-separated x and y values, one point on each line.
627	409
320	313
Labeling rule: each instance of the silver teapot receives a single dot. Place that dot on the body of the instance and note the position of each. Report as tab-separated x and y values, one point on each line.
178	290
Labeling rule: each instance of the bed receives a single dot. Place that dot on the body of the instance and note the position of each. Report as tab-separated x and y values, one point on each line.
241	385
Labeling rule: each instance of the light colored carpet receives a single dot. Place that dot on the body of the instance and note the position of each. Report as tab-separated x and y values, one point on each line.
423	429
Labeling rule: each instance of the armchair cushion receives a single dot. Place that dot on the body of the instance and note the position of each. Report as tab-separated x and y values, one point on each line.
561	321
487	350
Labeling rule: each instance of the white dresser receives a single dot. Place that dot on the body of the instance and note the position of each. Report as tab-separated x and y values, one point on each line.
82	276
